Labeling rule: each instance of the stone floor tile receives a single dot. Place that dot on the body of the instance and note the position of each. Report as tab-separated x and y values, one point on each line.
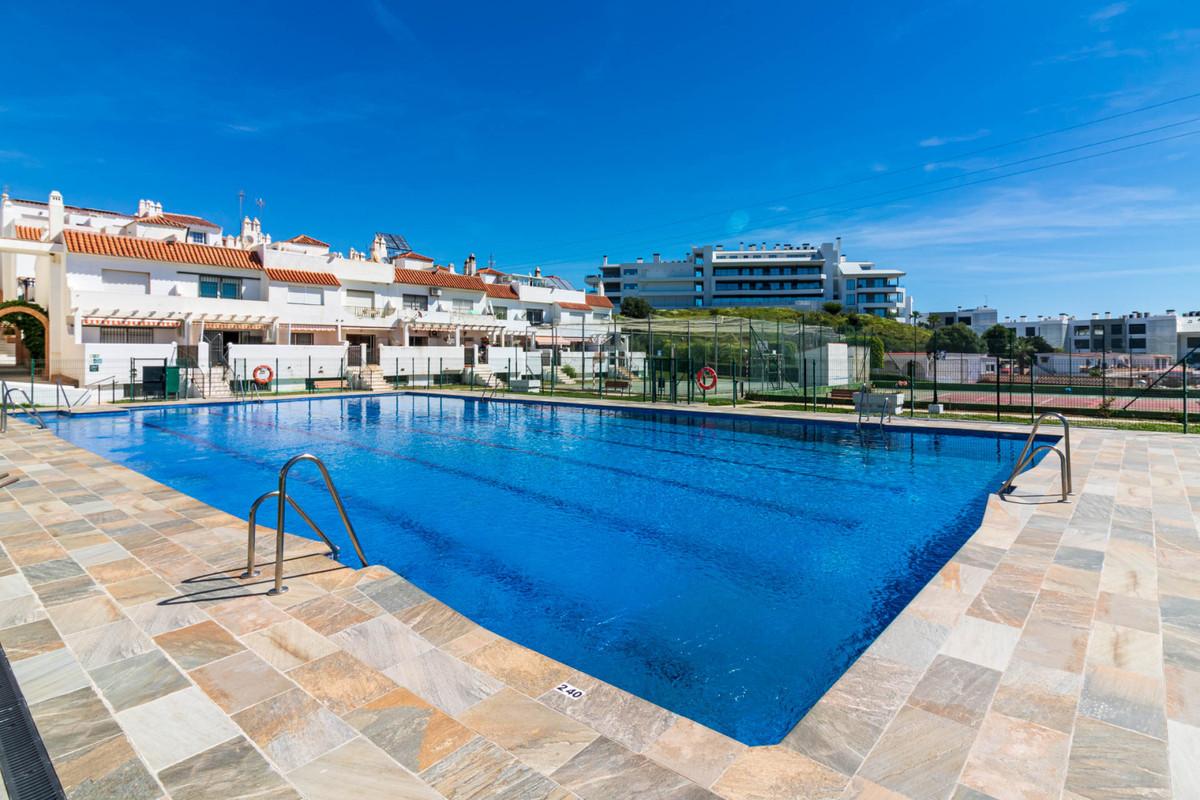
910	641
381	642
341	681
1053	645
1184	759
698	753
155	618
1016	759
1125	648
327	614
73	720
84	614
289	644
769	772
1003	605
30	639
920	754
450	684
143	589
1064	608
956	689
239	681
1183	695
106	769
519	667
1071	581
1079	558
408	729
989	644
1182	613
48	675
606	771
1108	762
176	726
625	718
1126	699
293	728
541	737
138	679
67	590
99	553
1181	647
436	622
20	610
121	569
394	594
232	770
358	769
96	647
246	614
50	571
197	645
33	548
1039	694
476	638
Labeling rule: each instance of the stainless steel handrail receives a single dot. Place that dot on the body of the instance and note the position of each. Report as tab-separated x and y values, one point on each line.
6	479
281	517
5	402
1028	452
251	572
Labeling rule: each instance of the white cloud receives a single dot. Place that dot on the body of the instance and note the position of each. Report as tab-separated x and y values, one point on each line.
1104	16
1104	49
938	141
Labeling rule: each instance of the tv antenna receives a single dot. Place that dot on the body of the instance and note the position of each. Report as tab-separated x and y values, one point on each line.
241	203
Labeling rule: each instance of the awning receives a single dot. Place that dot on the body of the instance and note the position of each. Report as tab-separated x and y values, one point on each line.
131	322
217	325
550	341
309	328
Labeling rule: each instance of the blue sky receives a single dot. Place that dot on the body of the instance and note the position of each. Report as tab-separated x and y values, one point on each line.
552	133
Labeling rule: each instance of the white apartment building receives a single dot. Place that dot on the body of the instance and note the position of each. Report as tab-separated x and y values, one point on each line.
805	276
121	290
978	319
1136	333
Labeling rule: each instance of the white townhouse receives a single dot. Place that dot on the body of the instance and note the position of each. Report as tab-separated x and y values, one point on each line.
124	291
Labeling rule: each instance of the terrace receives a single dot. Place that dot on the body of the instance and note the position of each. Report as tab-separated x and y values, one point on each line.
1056	654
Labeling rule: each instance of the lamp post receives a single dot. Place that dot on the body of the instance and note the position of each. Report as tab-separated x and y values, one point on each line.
913	316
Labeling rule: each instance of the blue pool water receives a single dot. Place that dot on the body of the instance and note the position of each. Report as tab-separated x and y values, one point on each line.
729	570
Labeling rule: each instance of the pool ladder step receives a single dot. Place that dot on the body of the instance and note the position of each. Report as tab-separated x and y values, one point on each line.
1029	452
283	501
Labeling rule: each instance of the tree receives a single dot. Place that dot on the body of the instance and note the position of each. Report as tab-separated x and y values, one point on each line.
636	307
999	340
877	352
832	308
1037	344
956	338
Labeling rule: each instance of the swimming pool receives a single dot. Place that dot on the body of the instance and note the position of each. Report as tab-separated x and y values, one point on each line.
727	569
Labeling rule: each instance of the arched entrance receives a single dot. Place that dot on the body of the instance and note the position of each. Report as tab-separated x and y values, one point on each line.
22	313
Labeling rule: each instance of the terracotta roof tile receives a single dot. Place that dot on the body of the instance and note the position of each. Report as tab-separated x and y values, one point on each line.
504	290
444	278
303	276
176	221
575	306
305	239
596	301
28	232
102	244
416	256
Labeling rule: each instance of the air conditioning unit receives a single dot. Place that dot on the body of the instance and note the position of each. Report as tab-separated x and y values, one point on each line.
435	292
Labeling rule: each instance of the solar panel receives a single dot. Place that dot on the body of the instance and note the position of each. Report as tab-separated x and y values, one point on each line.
396	244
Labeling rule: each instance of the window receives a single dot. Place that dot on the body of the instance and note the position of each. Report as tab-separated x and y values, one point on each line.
500	312
218	286
360	298
851	299
1081	330
1030	331
1193	341
698	273
1137	327
534	316
699	302
1081	344
600	316
305	295
196	237
1117	344
850	284
302	338
629	271
415	302
115	335
699	287
628	286
1137	344
461	305
121	280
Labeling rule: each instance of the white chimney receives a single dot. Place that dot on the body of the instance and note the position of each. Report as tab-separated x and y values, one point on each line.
379	249
56	213
604	261
600	288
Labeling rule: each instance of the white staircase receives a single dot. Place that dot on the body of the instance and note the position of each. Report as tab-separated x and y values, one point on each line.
374	379
216	384
562	378
8	352
484	376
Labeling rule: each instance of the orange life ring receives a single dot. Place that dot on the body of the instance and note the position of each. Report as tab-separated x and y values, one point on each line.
263	375
706	378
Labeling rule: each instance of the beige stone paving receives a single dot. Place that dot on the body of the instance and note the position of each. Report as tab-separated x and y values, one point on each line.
1056	655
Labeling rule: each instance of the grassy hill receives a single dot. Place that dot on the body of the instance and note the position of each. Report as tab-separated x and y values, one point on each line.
895	335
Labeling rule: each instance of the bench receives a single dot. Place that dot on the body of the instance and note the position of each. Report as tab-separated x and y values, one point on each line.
842	395
616	384
316	384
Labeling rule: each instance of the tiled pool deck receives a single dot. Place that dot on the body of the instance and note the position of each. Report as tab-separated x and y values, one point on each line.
1057	655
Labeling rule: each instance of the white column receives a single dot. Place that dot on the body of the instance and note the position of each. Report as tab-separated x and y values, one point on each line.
458	336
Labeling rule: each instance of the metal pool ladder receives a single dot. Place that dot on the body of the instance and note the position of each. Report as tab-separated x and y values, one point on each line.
5	394
1029	452
284	501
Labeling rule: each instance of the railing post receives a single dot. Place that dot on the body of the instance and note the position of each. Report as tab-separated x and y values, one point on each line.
997	388
1185	395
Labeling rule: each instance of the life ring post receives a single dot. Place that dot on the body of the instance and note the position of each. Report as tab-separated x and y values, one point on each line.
263	375
706	379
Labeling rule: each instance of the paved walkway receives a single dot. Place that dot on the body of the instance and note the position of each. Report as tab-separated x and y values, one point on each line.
1057	655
